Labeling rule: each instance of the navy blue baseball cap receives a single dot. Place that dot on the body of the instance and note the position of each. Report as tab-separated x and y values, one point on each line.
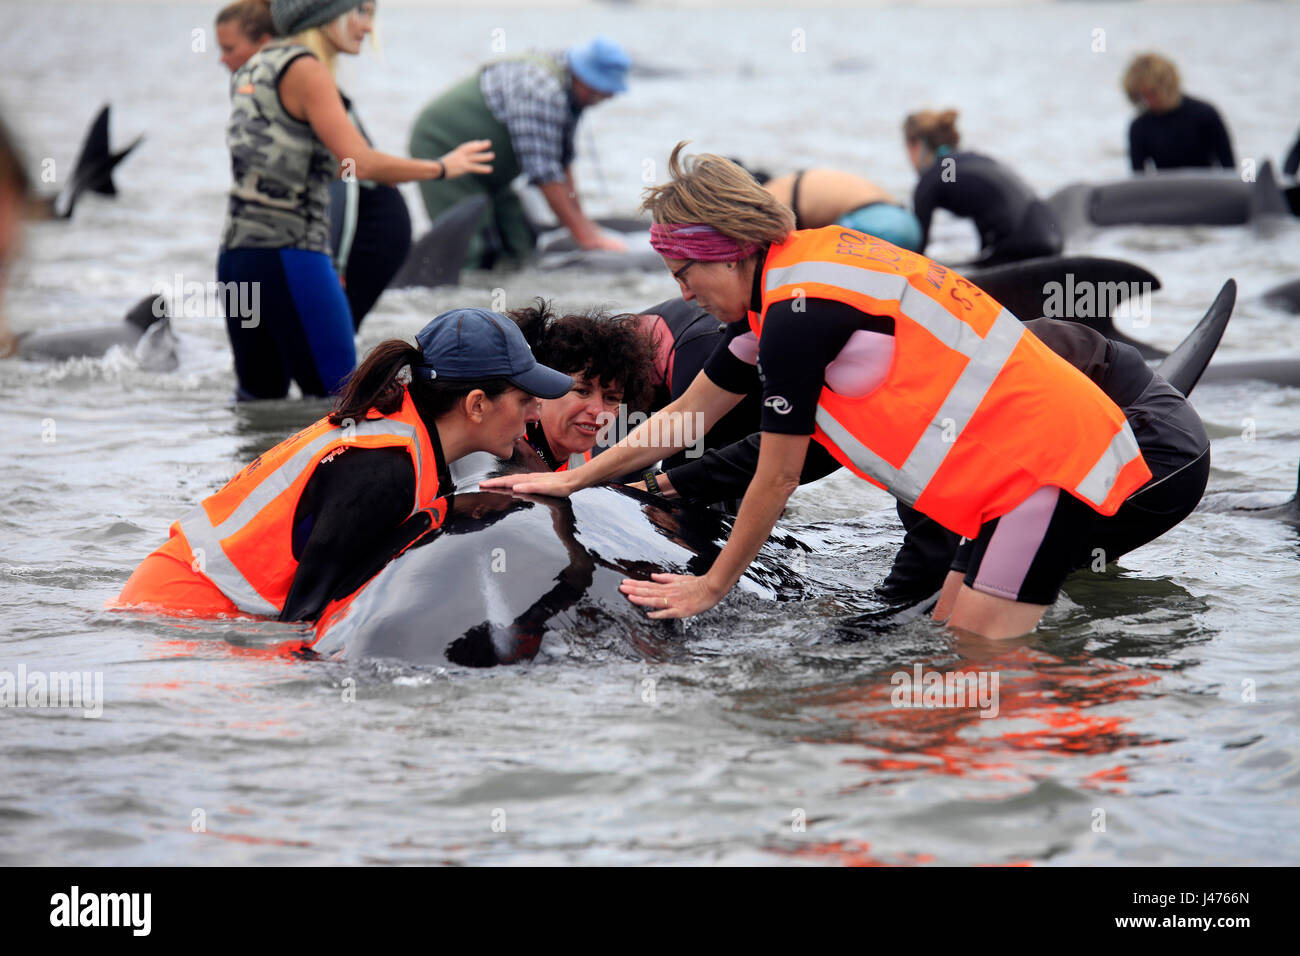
479	343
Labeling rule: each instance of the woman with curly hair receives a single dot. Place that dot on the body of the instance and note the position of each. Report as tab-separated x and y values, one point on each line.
609	358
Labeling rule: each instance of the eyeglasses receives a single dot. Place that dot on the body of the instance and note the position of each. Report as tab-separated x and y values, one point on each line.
677	274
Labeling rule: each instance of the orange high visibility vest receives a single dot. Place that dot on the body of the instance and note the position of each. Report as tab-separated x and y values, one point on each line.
241	538
976	413
577	459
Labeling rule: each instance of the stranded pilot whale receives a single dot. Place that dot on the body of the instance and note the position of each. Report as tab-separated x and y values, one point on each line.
502	570
145	331
1172	198
1255	505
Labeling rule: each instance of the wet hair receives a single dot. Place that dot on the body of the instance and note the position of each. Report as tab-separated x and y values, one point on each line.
933	128
713	190
253	17
612	348
13	170
374	385
1151	71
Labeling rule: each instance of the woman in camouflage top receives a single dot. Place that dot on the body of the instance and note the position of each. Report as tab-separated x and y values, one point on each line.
289	134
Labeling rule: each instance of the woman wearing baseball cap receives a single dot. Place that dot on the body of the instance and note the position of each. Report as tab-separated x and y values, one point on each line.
312	518
289	135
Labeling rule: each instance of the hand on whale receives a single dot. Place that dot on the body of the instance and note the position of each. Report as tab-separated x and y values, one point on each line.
503	570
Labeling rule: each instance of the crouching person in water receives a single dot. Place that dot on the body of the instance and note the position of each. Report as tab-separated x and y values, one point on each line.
305	522
609	358
913	379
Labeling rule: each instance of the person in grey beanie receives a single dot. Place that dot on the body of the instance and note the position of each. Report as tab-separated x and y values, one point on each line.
289	134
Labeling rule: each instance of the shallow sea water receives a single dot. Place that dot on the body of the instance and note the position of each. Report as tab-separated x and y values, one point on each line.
1158	697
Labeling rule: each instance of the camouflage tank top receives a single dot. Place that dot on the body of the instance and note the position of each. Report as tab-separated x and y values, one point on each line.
281	171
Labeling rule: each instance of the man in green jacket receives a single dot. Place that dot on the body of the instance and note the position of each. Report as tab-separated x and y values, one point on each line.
529	107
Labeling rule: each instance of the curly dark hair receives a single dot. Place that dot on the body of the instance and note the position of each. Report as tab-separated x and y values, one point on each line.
612	348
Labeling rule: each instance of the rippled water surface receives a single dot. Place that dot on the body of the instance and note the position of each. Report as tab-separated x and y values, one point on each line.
1157	698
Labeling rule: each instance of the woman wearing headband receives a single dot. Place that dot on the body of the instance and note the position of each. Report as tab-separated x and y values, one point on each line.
916	381
311	519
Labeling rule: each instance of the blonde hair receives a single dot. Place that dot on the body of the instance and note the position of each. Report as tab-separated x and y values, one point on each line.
315	40
933	128
713	190
1151	71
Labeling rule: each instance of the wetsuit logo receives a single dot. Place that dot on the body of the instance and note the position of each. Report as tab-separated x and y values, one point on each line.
778	405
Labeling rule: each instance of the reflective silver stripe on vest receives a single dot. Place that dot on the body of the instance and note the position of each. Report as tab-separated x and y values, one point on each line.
931	449
577	460
986	356
913	303
219	569
200	533
927	455
1123	448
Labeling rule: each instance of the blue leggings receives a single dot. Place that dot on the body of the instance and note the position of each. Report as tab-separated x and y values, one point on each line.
301	329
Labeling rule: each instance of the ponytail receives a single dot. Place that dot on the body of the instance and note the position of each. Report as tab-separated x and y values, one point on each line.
375	383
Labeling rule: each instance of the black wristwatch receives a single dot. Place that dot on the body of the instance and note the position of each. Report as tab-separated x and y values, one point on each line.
652	483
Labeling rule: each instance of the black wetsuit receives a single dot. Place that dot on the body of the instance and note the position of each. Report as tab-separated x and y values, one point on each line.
351	519
380	243
1190	135
382	240
1012	222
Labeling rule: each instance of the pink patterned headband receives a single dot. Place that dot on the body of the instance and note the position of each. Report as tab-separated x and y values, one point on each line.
698	241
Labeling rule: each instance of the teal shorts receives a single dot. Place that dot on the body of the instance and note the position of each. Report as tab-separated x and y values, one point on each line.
885	221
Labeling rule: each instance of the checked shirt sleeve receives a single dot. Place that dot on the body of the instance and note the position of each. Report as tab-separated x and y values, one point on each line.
535	109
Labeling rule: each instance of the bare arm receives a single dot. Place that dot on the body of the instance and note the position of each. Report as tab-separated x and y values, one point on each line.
562	197
780	461
686	420
309	94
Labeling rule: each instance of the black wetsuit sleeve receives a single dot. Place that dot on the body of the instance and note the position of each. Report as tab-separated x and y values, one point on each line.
800	338
724	474
1138	153
924	200
726	368
1292	164
348	510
